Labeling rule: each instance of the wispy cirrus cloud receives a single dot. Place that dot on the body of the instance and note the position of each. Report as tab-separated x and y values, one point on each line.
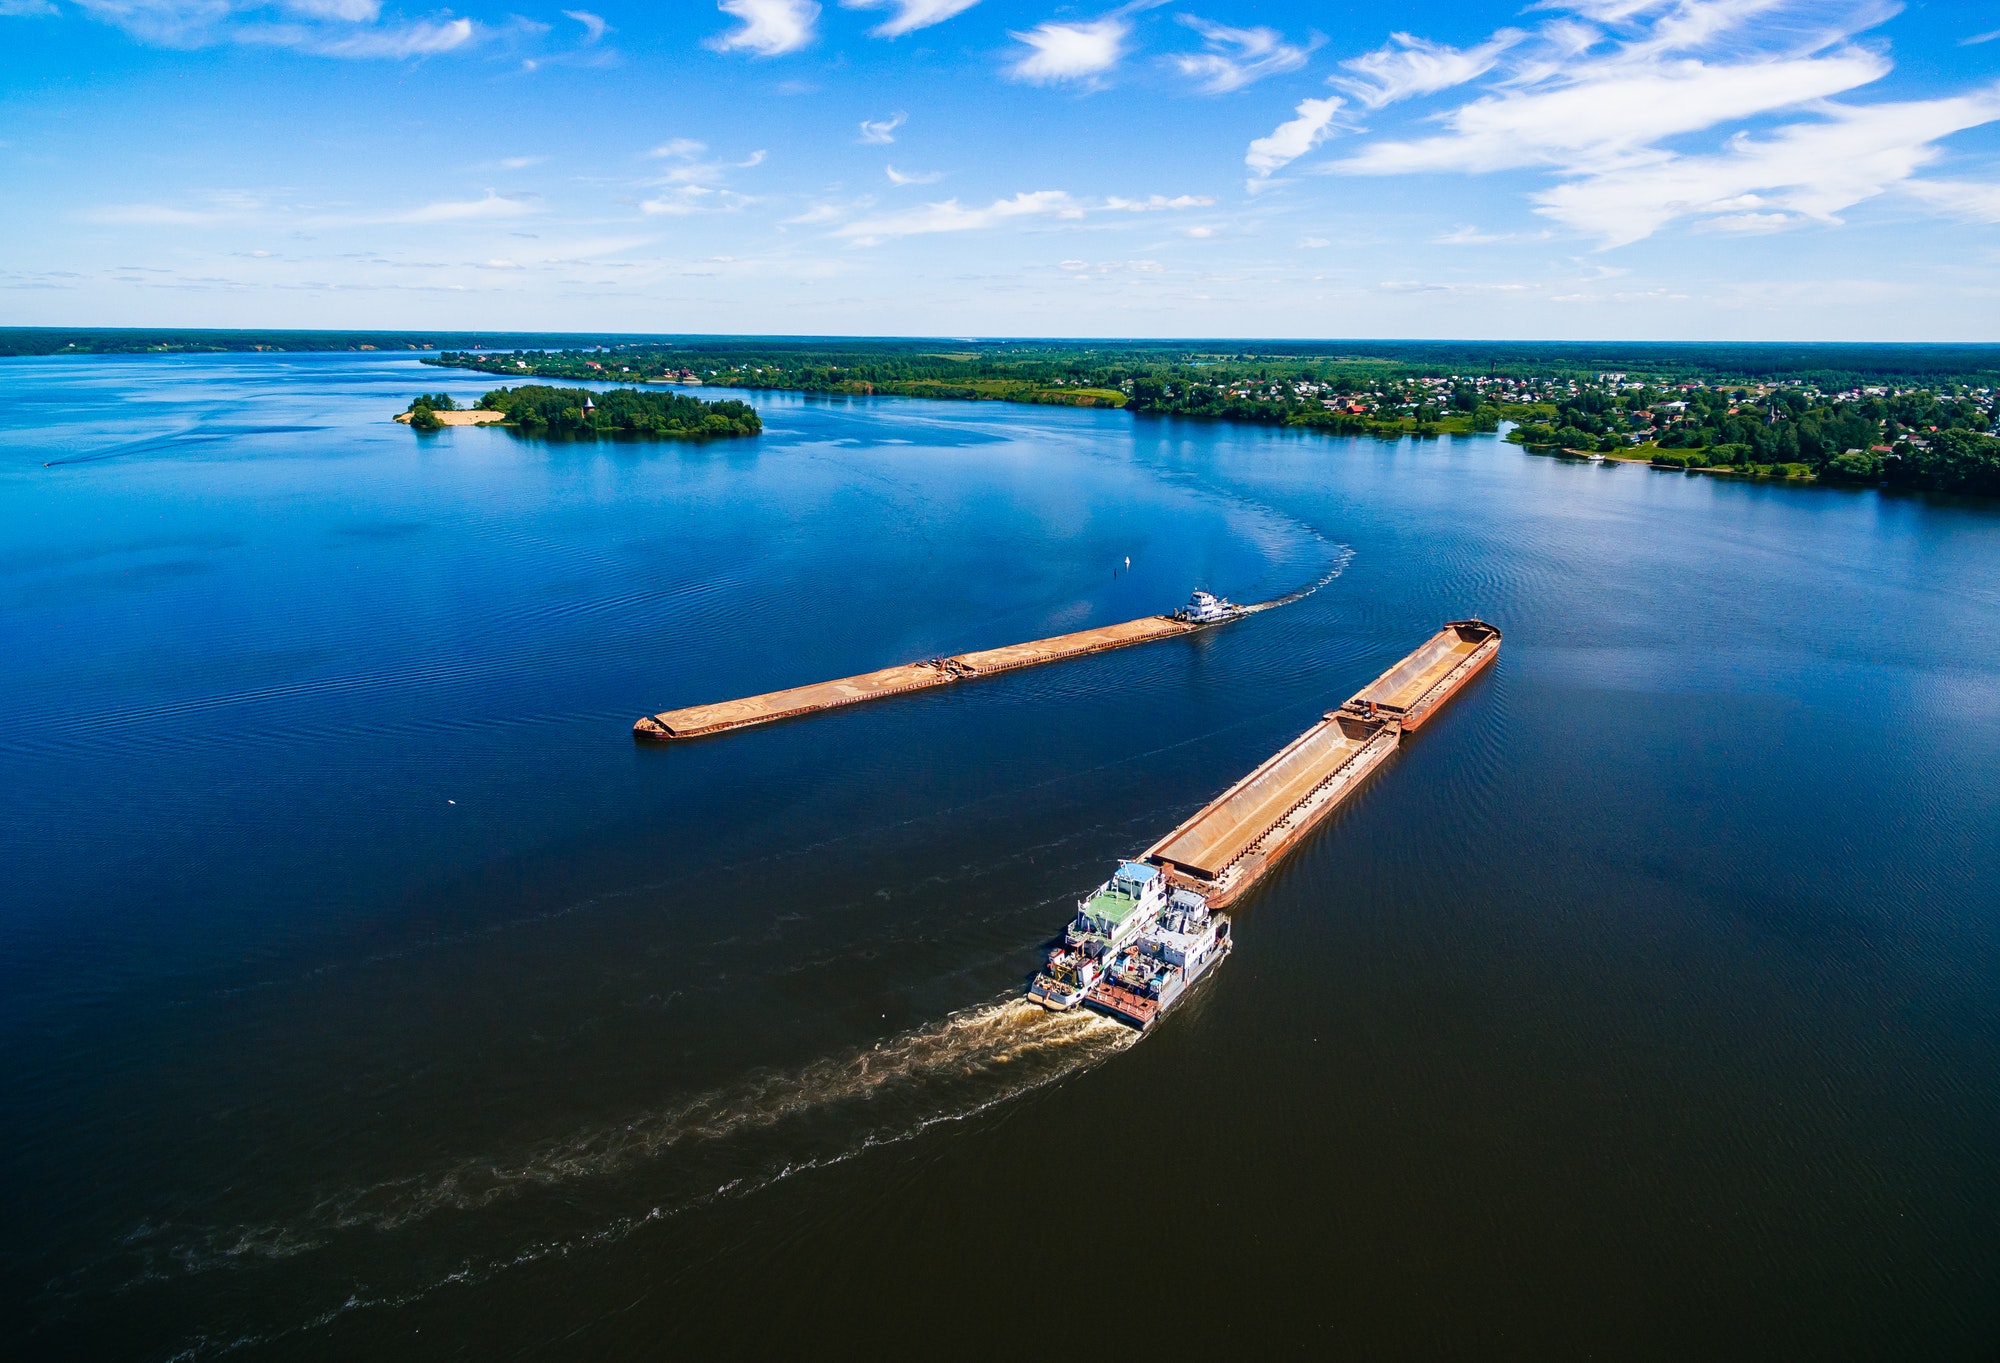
421	39
1408	66
693	181
1049	204
767	28
1979	202
1236	57
1604	97
1083	268
910	15
1803	172
249	210
1158	203
354	29
924	177
880	132
1082	51
682	200
1309	125
486	208
952	216
594	27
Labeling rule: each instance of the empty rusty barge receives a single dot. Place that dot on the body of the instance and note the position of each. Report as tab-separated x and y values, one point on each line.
1227	846
696	721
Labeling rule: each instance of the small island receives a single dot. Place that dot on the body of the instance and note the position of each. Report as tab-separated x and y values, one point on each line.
579	414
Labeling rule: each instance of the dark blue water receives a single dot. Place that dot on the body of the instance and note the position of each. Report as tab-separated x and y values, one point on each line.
365	991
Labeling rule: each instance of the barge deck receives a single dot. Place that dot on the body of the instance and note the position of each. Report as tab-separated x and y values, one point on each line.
1412	690
694	721
1229	844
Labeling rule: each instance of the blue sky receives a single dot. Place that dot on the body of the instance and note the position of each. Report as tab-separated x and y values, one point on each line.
1578	168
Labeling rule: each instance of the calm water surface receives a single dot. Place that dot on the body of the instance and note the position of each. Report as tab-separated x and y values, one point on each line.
365	992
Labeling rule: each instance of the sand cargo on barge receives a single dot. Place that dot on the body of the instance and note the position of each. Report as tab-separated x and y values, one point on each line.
1229	844
1169	931
1204	611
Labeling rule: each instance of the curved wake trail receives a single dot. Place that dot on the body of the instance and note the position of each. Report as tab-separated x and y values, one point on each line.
619	1177
1342	556
909	1082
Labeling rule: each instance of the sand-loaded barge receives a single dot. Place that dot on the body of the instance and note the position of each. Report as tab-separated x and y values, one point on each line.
695	721
1227	846
1143	939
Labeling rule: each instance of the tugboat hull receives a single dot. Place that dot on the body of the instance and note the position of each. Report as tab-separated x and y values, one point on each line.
1140	1009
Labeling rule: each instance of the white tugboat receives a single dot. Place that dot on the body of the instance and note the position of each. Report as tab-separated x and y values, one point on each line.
1121	909
1206	608
1148	977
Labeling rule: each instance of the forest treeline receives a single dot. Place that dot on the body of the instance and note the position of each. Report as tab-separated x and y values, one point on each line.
1836	426
579	413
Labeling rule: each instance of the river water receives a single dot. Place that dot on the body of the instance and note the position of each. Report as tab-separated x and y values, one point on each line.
366	992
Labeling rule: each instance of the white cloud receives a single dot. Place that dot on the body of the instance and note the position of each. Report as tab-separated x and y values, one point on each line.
1605	99
420	39
1410	66
1804	171
1748	224
26	9
1608	112
1079	51
328	28
251	210
1290	140
678	201
911	15
1979	38
770	28
928	177
879	132
469	210
354	11
1423	286
1158	203
1082	268
1312	243
681	200
692	185
594	26
952	216
1960	198
1236	57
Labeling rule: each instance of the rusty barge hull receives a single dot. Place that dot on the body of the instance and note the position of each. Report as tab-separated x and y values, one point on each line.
1412	690
1232	842
697	721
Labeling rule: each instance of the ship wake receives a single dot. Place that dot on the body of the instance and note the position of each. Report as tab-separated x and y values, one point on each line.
949	1071
599	1185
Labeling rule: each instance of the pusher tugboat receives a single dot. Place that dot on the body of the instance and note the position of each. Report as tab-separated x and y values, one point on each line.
1110	919
1145	979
